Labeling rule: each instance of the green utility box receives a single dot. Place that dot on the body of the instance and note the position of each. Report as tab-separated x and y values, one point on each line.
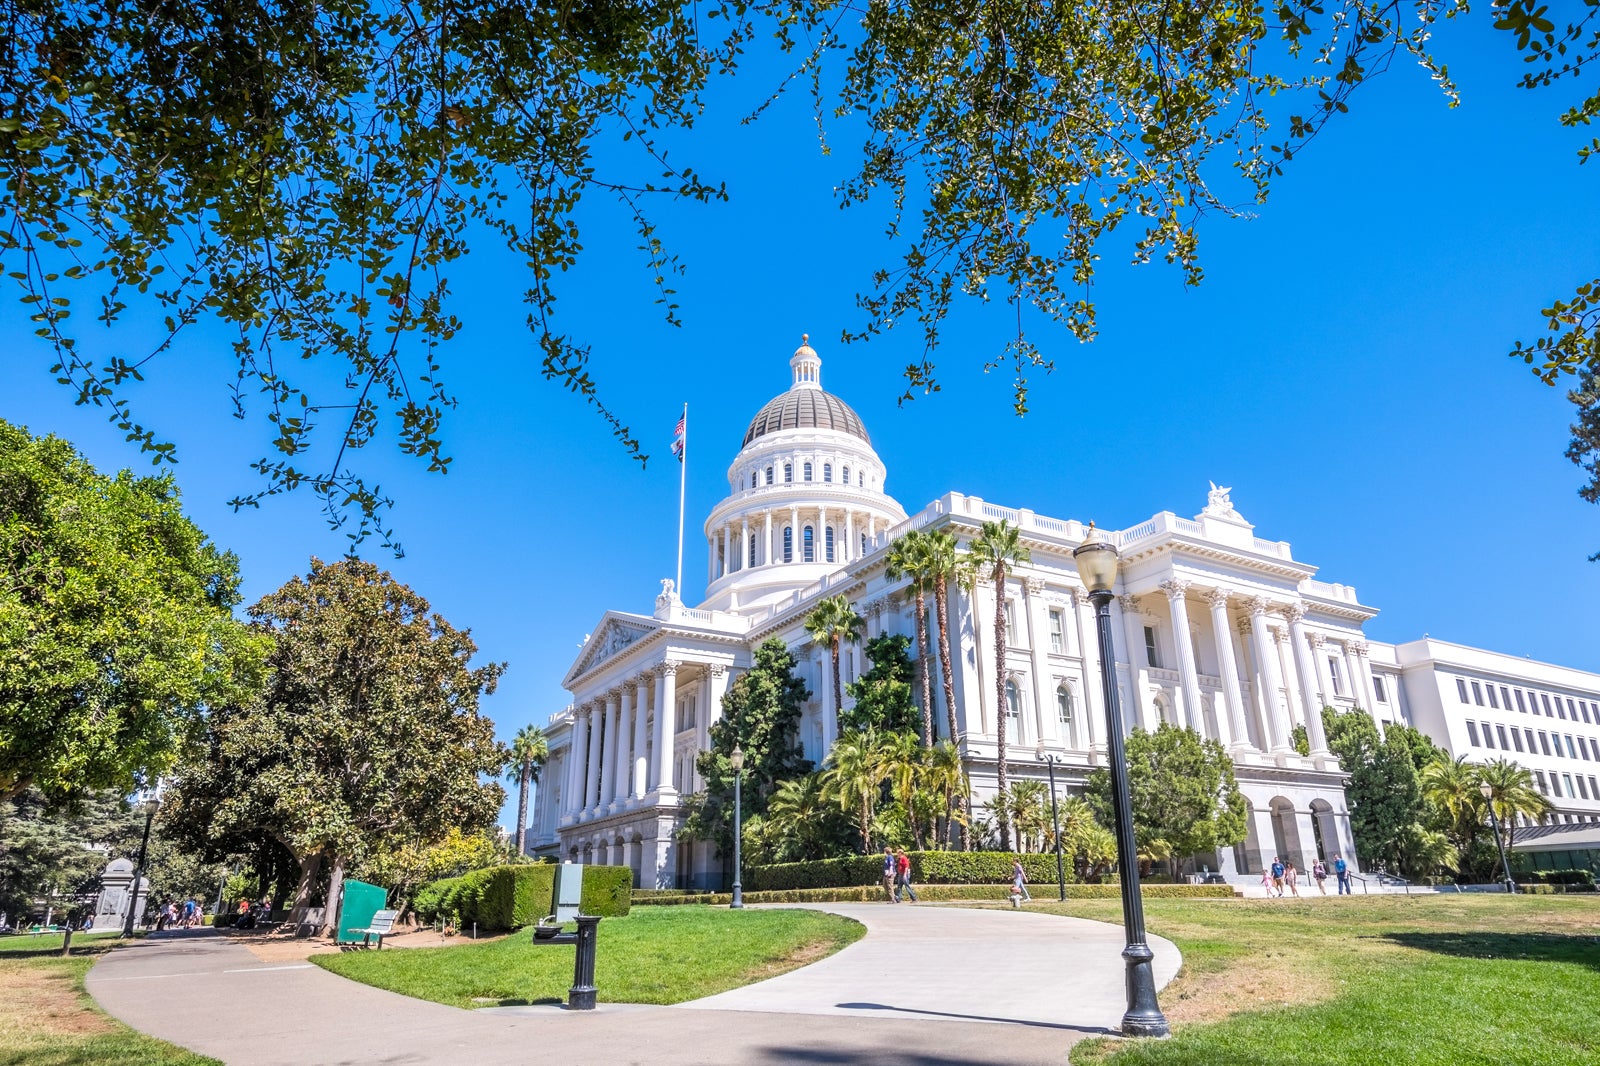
361	901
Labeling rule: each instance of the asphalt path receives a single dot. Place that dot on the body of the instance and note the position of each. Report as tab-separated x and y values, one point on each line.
927	986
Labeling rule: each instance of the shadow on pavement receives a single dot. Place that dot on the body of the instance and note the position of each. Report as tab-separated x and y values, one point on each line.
1524	947
855	1056
1091	1030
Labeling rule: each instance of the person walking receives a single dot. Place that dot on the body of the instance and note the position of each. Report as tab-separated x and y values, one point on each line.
1019	880
1319	873
1277	875
902	867
1266	879
1291	877
1341	871
890	867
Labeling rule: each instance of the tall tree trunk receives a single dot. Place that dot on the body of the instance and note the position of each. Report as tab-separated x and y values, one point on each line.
866	827
522	805
838	693
310	866
330	912
1002	708
941	594
924	676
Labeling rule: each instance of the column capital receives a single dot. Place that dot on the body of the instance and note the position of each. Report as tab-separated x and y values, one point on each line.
1295	612
1278	635
646	678
667	667
614	693
1175	588
1129	604
1259	606
1316	639
717	669
1217	598
1356	647
1034	585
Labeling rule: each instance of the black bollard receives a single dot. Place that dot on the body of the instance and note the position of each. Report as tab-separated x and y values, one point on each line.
582	993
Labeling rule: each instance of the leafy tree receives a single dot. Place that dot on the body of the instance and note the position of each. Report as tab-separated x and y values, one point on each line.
1025	807
1513	794
942	561
404	865
832	622
992	554
115	622
1584	450
1184	797
882	695
367	734
1451	786
55	852
946	778
1384	793
307	175
853	776
908	557
803	822
904	768
760	716
529	750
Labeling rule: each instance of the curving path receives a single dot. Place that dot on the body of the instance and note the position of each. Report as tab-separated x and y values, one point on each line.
927	986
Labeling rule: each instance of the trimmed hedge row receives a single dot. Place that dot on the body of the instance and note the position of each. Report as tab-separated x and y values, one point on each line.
510	897
1546	890
932	893
927	867
1556	877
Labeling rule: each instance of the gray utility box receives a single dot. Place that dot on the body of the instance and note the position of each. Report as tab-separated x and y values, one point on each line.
569	891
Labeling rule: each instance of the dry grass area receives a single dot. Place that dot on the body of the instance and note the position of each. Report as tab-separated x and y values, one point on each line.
37	999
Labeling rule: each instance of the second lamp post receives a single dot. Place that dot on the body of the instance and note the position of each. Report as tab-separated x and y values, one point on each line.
1096	559
1050	761
736	760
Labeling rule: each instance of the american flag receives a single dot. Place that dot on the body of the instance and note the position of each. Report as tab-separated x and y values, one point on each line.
678	439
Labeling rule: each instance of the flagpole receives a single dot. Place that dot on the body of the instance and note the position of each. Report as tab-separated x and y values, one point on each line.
683	476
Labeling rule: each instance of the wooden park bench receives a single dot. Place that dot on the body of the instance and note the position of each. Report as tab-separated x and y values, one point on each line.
382	922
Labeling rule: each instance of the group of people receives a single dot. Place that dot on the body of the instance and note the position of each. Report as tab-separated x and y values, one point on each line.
897	875
1281	874
174	915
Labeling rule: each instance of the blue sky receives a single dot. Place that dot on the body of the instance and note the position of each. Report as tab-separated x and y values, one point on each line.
1342	367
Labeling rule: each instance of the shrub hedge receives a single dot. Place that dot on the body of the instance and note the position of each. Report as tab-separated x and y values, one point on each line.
927	867
510	897
931	893
1556	877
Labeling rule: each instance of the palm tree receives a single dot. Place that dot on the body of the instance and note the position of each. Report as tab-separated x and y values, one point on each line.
903	761
1451	785
795	814
832	622
1512	793
529	750
990	556
908	558
942	563
852	777
946	776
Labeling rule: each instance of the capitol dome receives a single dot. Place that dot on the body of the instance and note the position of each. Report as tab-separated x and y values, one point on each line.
806	409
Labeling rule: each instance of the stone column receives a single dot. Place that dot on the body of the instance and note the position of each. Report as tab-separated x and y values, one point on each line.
796	548
1044	699
822	534
1177	593
624	784
1363	667
1308	681
1271	682
1289	670
666	725
765	557
640	774
1319	653
1142	711
591	785
578	762
717	690
1352	679
610	749
744	544
1222	633
1094	711
850	550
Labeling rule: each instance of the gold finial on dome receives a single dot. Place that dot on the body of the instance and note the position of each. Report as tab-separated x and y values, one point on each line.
805	338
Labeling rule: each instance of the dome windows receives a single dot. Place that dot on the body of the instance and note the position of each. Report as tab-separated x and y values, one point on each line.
769	475
808	471
827	542
846	476
788	473
788	544
810	545
827	473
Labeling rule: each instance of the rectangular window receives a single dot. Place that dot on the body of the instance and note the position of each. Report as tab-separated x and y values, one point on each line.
1492	701
1461	688
1378	689
1584	708
1533	748
1572	752
1568	779
1594	787
1500	731
1011	623
1555	785
1544	742
1505	697
1583	790
1561	712
1488	735
1472	734
1516	737
1544	786
1477	694
1594	746
1338	682
1150	647
1520	705
1058	643
1544	696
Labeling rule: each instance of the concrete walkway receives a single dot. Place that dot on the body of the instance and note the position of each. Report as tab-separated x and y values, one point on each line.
999	987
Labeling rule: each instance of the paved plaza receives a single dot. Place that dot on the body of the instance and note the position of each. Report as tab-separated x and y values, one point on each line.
927	986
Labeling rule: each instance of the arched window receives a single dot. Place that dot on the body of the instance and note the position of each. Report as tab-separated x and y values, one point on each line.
810	545
752	550
845	475
861	480
769	475
827	542
827	472
788	473
788	544
1064	704
752	479
808	471
863	544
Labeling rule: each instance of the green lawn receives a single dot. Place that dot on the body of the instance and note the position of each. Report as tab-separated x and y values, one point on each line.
655	955
46	1019
1435	980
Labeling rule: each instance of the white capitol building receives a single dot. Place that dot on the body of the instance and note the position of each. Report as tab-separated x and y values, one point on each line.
1216	629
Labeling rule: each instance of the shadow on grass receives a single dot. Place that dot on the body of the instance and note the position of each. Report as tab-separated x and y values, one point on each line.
78	951
542	1001
1518	947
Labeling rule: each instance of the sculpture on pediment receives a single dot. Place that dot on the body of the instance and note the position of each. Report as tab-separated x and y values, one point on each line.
1217	500
669	594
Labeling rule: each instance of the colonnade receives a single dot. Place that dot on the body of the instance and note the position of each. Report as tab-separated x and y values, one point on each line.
760	534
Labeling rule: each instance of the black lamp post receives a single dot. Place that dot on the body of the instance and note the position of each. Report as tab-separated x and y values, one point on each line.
1096	559
149	800
736	760
1050	761
1494	823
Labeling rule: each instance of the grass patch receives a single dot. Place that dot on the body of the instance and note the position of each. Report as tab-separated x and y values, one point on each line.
654	955
46	1018
1427	980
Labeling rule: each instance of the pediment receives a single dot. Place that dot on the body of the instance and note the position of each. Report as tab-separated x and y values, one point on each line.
612	638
